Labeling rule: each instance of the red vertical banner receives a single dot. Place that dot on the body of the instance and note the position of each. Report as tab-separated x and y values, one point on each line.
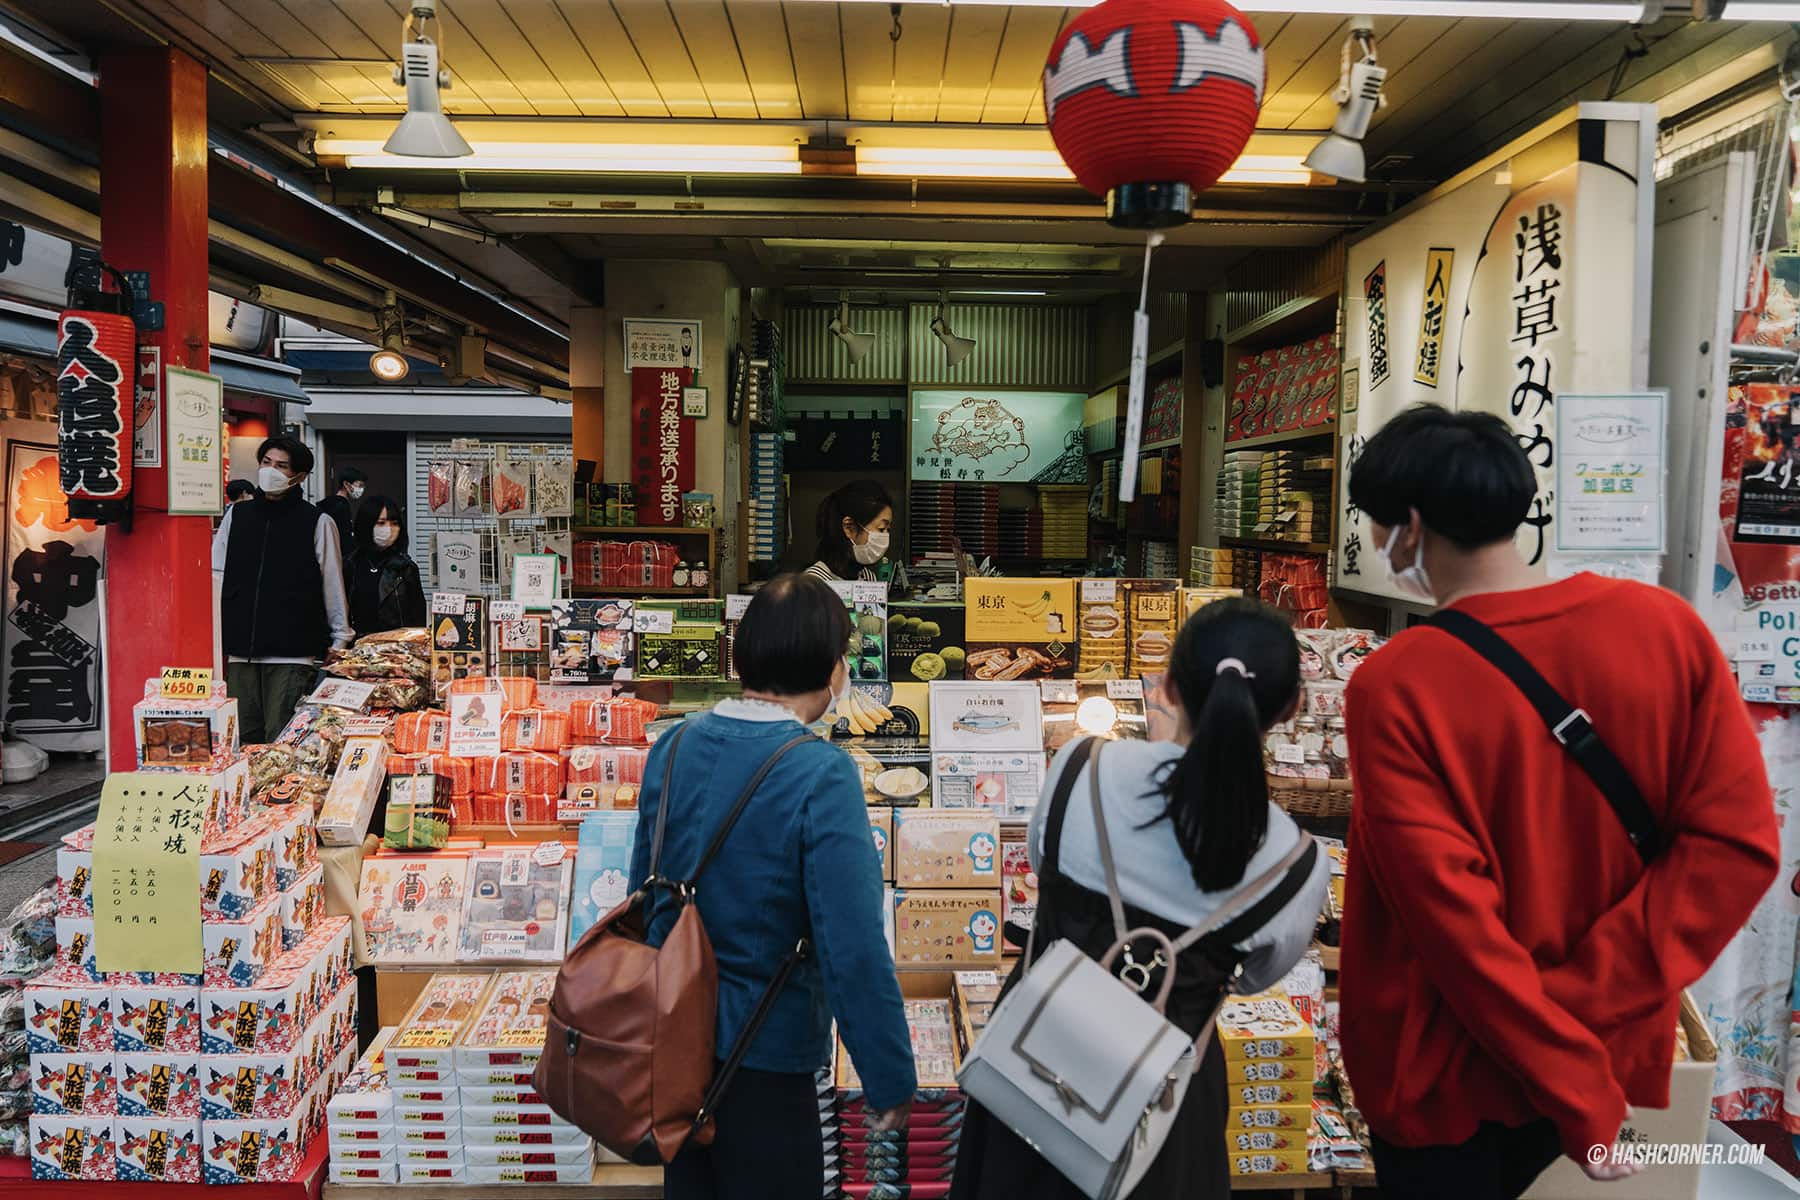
662	443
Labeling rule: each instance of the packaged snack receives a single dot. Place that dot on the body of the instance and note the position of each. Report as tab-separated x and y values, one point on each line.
555	488
198	735
65	1148
620	721
1296	1116
579	1171
272	1015
509	1030
437	488
687	651
1316	646
295	842
302	907
947	928
1153	619
592	641
425	732
28	935
1101	625
238	952
344	816
926	642
315	736
237	870
1269	1162
458	774
466	489
257	1150
1038	612
1353	646
364	1098
881	829
606	764
75	877
516	906
602	868
74	1085
270	1086
1265	1027
419	811
422	1048
156	1018
1018	882
549	1136
412	907
512	487
524	1156
520	772
534	729
158	1149
159	1085
359	1170
518	691
940	849
75	946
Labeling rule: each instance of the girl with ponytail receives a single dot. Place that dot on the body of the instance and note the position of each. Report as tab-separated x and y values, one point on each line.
1190	824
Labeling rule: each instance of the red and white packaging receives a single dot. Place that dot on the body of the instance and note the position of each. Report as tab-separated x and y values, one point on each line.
66	1012
74	1085
65	1148
155	1017
158	1149
161	1086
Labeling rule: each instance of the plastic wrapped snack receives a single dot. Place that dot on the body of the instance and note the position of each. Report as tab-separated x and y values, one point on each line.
438	488
524	772
621	721
465	492
1353	645
316	735
28	938
534	729
381	660
1316	646
458	773
426	732
519	691
268	764
402	695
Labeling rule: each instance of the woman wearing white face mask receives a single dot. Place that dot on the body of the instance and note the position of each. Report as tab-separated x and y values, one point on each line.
385	592
855	526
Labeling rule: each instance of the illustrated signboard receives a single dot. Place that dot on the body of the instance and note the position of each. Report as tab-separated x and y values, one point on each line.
998	437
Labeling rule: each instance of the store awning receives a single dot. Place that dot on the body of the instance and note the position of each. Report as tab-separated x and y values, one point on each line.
22	333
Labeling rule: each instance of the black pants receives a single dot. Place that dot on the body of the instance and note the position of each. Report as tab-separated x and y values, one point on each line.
1496	1164
766	1144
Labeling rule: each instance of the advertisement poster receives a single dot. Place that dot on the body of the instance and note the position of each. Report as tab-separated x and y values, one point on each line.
1610	474
195	414
998	436
147	408
147	872
51	636
987	746
1768	481
662	344
592	641
459	561
662	444
475	722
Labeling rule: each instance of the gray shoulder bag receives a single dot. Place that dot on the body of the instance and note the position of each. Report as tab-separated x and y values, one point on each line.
1077	1062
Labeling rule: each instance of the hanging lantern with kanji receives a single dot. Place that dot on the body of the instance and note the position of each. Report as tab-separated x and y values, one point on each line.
96	358
1150	101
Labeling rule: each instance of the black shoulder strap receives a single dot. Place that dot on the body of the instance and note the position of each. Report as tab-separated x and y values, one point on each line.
1247	923
662	800
1059	804
737	810
1568	725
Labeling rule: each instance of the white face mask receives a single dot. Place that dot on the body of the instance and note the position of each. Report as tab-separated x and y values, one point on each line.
357	490
873	550
838	694
273	480
386	535
1411	581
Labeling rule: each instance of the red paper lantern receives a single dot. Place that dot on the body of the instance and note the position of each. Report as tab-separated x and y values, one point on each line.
96	357
1150	101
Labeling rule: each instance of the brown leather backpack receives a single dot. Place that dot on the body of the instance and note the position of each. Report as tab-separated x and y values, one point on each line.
629	1052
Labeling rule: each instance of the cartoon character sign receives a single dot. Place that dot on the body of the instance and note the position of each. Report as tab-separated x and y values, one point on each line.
1150	101
982	928
881	840
981	853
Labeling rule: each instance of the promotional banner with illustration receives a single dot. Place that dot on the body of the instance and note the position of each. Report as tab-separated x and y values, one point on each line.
51	638
662	443
998	437
1477	300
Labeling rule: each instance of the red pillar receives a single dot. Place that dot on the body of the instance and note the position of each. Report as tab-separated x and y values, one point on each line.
153	160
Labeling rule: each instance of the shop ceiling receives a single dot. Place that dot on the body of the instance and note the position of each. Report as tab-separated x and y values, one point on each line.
307	85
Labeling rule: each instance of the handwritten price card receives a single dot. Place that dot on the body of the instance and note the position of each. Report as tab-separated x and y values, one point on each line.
147	872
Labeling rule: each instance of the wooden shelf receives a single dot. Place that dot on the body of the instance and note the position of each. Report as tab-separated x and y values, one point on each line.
1312	1181
611	1182
647	530
1155	360
1300	318
1317	433
1276	545
1165	444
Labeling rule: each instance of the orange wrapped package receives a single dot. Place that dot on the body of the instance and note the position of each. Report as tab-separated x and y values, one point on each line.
426	732
606	764
519	691
534	729
621	721
493	808
460	772
520	772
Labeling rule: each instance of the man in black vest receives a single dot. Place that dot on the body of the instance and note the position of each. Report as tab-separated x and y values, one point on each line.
339	506
282	603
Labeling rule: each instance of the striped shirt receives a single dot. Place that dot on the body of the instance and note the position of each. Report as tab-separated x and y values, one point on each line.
820	571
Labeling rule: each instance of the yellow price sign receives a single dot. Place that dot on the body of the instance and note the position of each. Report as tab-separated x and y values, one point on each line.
185	683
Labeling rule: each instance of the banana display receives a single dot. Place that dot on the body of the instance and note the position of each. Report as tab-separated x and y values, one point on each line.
863	715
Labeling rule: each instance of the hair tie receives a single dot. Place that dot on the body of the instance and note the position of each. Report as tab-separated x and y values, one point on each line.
1234	664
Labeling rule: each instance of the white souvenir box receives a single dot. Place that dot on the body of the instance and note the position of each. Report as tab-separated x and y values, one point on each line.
351	1151
361	1171
418	1095
237	870
269	1086
527	1156
155	1017
159	1086
445	1155
476	1097
302	907
158	1149
239	951
361	774
66	1011
524	1137
72	1148
559	1173
431	1173
270	1015
269	1151
74	1085
296	844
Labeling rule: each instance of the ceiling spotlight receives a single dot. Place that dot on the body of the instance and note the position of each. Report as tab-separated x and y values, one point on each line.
955	348
390	364
856	345
424	132
1340	153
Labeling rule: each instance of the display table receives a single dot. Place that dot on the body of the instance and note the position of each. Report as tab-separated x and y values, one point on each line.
611	1182
16	1181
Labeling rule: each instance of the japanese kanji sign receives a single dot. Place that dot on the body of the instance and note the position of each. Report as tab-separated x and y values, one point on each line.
1609	473
146	884
195	417
662	443
1375	300
670	343
1433	316
96	366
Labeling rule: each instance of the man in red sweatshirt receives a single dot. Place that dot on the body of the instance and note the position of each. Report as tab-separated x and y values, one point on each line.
1512	966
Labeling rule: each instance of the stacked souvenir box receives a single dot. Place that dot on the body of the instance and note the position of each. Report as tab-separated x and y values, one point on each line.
1272	482
1285	389
1269	1074
1238	491
1212	568
1065	521
919	1159
603	849
947	907
768	497
359	1121
1160	559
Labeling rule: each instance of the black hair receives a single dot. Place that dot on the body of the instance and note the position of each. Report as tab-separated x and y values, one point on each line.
364	527
792	637
861	501
1464	471
237	489
348	474
1217	795
300	459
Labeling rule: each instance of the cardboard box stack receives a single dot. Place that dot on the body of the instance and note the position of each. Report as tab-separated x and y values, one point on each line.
1239	488
1269	1074
919	1159
768	496
359	1121
219	1074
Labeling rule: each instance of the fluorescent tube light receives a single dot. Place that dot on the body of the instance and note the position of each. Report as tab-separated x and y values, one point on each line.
1499	10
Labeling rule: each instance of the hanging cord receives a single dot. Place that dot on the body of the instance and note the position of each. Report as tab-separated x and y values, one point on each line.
1638	48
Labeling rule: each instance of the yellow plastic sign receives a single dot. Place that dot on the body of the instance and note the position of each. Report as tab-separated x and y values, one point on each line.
185	683
146	884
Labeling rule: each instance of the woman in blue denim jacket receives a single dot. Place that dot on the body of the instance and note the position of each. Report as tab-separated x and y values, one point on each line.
798	864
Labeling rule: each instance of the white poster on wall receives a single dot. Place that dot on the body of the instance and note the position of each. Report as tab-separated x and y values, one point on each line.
671	344
1536	265
998	436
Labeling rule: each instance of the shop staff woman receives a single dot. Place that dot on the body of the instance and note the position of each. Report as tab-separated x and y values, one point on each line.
855	525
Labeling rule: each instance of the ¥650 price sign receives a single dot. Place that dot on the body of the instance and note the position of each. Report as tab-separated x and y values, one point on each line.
185	683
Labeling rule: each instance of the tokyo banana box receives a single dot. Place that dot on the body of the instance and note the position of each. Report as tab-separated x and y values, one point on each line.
155	1017
159	1085
65	1148
158	1149
1265	1030
66	1012
74	1085
1270	1162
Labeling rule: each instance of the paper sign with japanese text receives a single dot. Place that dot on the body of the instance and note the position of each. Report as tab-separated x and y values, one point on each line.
146	873
662	444
185	683
343	693
475	722
1433	314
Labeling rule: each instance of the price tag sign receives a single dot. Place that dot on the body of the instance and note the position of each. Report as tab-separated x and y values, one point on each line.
506	610
343	693
185	683
368	727
1752	648
735	606
1060	691
1124	689
1290	754
654	620
447	604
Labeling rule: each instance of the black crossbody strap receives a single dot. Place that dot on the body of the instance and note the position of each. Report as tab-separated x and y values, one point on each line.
1059	805
662	803
1241	926
1567	723
737	810
764	1007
